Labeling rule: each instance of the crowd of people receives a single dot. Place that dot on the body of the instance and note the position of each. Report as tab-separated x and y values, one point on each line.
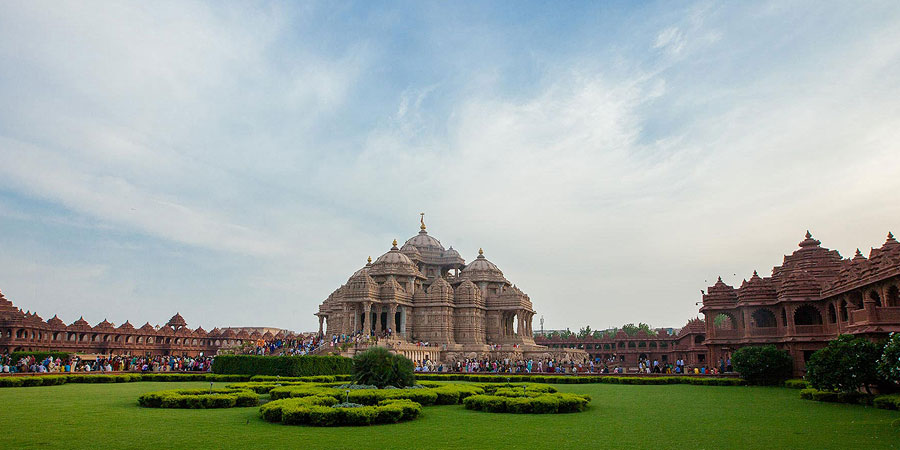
75	363
303	345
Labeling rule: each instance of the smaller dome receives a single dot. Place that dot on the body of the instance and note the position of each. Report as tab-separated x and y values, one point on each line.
393	256
451	253
80	323
481	263
126	326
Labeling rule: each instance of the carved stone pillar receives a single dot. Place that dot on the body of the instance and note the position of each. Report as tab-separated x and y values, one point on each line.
869	306
321	323
790	319
392	315
378	325
367	319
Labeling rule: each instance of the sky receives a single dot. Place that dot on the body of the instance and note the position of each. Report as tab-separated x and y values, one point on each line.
237	161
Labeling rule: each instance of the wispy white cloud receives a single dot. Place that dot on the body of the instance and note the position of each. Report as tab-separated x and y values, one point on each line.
609	189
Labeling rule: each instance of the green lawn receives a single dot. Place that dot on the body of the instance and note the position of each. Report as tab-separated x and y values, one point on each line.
668	416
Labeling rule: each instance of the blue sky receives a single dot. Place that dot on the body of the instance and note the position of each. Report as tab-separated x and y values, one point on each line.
236	162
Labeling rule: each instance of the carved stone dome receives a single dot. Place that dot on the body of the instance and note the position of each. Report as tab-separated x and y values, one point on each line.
423	241
394	263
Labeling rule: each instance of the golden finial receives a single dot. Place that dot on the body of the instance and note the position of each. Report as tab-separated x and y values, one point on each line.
369	260
395	242
480	251
422	220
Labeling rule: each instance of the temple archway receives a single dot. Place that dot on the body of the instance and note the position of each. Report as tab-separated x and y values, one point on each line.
725	321
875	297
807	315
893	296
763	318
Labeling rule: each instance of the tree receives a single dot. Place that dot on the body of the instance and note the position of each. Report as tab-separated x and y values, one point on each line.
889	363
845	364
584	332
632	329
566	334
597	334
764	365
377	366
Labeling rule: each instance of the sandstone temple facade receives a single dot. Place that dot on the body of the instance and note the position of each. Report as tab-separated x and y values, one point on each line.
423	292
811	298
26	331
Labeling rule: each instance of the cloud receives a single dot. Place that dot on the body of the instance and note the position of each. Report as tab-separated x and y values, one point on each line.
255	156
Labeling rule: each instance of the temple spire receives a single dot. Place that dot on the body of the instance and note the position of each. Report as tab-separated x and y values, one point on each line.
422	221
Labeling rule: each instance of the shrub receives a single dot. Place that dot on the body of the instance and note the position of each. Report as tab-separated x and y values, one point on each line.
763	365
889	363
319	411
377	366
836	397
286	366
39	356
845	364
312	379
796	384
887	401
542	403
198	398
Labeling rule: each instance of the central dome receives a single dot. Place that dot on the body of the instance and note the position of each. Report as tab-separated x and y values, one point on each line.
423	241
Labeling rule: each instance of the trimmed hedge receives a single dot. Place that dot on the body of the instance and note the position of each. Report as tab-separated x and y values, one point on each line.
198	398
286	366
51	380
891	401
444	394
39	356
571	379
318	411
796	384
887	401
836	397
192	377
312	379
541	403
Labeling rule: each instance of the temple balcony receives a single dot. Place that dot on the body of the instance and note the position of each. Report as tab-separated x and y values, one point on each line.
881	315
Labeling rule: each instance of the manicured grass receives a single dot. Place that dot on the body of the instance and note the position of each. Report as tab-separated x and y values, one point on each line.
108	416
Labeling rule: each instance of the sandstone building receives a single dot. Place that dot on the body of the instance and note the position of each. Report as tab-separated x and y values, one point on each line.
810	299
423	292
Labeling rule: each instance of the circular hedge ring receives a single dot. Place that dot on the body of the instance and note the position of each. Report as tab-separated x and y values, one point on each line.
199	398
522	402
324	411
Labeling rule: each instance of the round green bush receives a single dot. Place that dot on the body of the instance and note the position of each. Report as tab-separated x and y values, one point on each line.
889	363
379	367
845	364
198	398
763	365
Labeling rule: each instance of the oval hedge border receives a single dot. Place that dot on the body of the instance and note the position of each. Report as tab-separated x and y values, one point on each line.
199	398
518	402
318	410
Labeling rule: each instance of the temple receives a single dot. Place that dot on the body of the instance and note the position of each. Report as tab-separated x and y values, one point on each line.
26	331
423	292
810	299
